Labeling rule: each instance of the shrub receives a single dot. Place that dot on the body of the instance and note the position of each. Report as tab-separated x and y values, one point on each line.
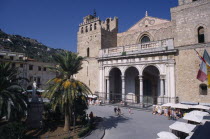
15	130
123	53
85	131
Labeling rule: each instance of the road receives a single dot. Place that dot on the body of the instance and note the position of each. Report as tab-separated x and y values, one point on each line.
140	124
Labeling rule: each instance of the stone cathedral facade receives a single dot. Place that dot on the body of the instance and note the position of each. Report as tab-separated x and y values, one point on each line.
153	61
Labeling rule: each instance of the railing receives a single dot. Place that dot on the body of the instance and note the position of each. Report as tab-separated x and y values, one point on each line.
136	100
138	48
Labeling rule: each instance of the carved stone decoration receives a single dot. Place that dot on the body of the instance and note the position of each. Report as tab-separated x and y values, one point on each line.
147	22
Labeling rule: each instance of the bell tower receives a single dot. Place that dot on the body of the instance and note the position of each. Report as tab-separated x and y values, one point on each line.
92	36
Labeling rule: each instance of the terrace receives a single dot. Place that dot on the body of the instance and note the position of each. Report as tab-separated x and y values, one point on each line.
155	46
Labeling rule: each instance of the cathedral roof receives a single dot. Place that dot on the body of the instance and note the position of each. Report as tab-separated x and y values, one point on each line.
147	21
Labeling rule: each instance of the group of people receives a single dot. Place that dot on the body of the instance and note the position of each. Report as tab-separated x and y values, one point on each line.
117	111
171	113
94	102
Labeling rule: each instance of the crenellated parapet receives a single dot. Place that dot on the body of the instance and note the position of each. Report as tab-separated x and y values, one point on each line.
91	23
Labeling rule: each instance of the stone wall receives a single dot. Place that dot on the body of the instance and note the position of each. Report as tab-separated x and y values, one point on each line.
188	18
186	69
155	32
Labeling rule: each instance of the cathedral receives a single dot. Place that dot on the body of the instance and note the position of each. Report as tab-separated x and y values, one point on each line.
153	62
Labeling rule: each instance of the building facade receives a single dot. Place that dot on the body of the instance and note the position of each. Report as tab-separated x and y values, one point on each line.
153	61
28	68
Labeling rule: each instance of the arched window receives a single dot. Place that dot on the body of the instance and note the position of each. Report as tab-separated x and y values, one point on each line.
203	89
88	52
82	30
95	26
107	24
145	39
201	36
86	29
90	27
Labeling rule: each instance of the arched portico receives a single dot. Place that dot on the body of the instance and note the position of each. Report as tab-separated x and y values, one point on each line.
140	83
132	85
151	85
115	85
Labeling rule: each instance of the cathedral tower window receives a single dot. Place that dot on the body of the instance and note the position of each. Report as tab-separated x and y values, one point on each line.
203	89
82	30
145	39
86	29
201	36
90	27
107	25
88	52
95	26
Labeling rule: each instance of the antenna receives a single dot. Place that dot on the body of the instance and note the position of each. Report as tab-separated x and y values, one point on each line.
146	14
94	12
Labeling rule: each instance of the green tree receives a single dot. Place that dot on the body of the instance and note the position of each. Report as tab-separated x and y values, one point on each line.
12	100
64	89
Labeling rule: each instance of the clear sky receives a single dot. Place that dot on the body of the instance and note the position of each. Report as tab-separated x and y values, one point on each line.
55	22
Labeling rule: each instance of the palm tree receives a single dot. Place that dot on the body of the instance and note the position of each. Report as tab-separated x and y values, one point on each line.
11	98
63	89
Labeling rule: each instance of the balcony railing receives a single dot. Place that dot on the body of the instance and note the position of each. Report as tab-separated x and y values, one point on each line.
138	48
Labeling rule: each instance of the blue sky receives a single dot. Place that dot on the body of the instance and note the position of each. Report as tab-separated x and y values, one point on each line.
55	22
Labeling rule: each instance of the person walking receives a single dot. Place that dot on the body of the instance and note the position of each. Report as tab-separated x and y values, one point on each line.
169	114
119	111
115	110
91	117
129	110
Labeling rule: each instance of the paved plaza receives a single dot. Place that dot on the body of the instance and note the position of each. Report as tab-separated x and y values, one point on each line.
141	124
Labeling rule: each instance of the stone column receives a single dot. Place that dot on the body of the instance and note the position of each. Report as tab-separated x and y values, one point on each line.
100	82
123	88
107	90
161	85
141	89
172	82
161	89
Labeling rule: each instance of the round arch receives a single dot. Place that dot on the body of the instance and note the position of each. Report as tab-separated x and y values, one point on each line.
115	85
145	66
110	69
151	84
205	32
132	84
124	70
142	35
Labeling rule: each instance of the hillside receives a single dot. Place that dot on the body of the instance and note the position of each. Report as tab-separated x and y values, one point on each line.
31	47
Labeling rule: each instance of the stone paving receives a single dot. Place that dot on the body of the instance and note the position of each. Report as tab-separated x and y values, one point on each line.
140	124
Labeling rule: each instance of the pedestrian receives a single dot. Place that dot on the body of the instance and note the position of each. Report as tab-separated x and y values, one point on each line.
115	110
91	117
119	111
169	114
172	114
129	110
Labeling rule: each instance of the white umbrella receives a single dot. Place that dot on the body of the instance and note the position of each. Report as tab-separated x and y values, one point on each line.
192	117
166	135
180	106
200	107
40	91
92	96
167	105
183	127
201	113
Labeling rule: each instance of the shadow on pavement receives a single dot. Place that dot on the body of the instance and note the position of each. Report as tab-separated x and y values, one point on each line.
112	121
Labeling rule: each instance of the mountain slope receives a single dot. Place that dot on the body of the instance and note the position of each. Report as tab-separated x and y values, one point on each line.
31	47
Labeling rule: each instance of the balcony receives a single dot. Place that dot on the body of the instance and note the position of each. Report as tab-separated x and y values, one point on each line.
149	47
